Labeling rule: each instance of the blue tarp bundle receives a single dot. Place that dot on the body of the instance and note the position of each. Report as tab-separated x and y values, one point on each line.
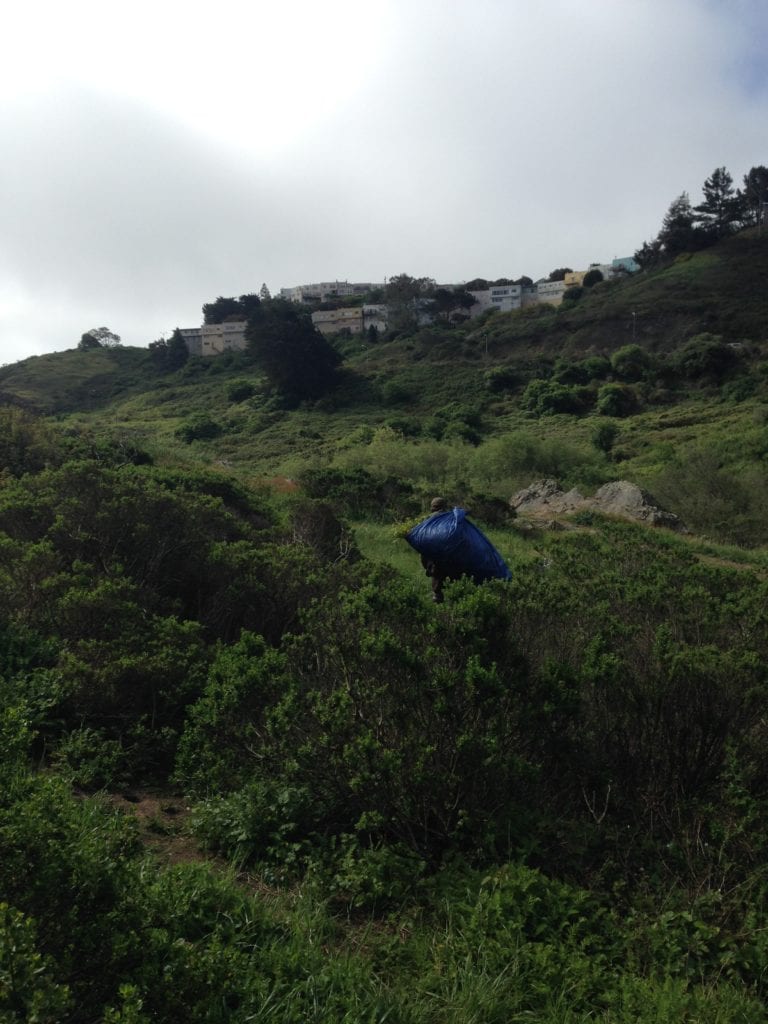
457	545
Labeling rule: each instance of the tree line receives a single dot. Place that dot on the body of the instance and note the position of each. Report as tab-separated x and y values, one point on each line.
723	210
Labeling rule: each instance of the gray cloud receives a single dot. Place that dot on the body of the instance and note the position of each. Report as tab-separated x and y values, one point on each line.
491	139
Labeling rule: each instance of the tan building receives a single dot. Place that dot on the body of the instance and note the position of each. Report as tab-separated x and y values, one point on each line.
215	339
355	319
331	321
550	292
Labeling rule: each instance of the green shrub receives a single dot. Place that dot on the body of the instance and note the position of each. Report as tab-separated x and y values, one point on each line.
408	426
631	363
382	729
592	277
395	393
91	761
502	378
266	822
597	367
314	524
740	389
359	493
198	428
616	400
547	397
604	437
28	989
240	390
570	373
704	356
714	500
504	463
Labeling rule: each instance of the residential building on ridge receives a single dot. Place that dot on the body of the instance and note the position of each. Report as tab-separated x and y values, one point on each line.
354	319
215	339
326	291
550	291
627	264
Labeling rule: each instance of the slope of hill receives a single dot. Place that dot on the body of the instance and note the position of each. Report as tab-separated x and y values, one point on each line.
75	380
720	290
543	799
486	407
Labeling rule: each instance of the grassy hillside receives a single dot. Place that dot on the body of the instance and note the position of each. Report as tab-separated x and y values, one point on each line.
543	799
63	381
720	290
457	409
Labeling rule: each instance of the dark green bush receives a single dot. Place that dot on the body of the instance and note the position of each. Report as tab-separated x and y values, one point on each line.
740	389
393	738
395	393
502	378
616	400
631	363
713	500
597	367
570	373
240	390
547	397
198	428
704	356
604	437
358	493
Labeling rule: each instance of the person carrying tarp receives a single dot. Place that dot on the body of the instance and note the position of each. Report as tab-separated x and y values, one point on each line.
451	546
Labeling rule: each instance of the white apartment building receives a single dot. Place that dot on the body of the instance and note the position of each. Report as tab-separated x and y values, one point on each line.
507	297
503	297
325	291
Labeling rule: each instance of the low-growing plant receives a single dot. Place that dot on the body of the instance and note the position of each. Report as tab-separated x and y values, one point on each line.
198	428
240	390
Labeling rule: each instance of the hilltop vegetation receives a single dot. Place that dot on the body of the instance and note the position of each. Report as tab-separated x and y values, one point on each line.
640	378
541	800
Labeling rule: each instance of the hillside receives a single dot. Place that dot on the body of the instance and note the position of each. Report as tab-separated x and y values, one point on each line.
719	290
486	407
542	799
62	381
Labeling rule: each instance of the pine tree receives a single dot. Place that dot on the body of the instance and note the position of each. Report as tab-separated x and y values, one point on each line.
719	213
678	229
753	198
178	353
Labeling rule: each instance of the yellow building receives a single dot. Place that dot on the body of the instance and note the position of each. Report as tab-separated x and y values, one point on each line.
574	278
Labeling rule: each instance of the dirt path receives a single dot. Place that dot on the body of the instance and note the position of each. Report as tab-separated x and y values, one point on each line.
162	820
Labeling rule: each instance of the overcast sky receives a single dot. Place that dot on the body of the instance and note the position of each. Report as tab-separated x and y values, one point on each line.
158	154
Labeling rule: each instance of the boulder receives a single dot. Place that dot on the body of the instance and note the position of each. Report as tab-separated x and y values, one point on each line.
544	499
621	498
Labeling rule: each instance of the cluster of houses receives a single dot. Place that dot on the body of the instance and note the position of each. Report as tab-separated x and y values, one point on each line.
215	339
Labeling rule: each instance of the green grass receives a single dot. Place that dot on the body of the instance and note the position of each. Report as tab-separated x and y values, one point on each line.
63	381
